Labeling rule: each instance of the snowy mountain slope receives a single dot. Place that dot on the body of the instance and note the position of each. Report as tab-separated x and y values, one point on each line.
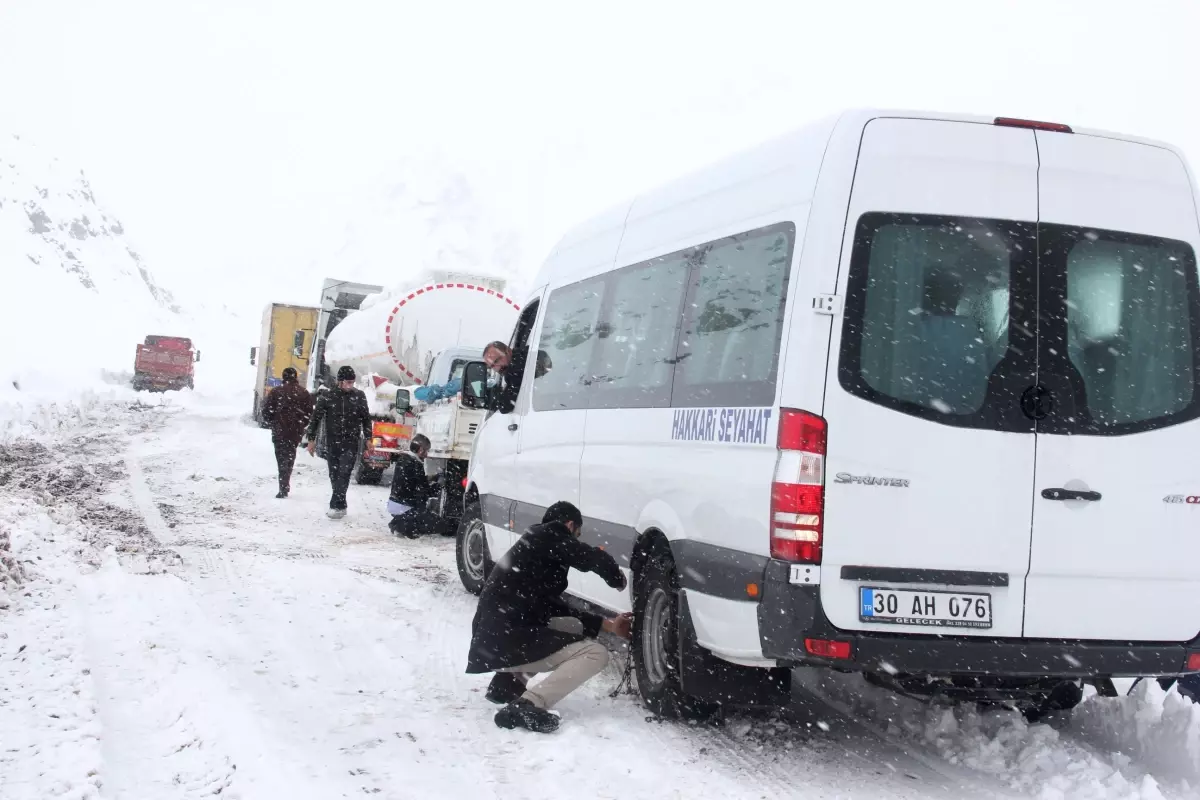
79	297
50	220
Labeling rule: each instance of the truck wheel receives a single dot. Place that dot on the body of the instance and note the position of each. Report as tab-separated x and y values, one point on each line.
655	646
448	506
471	550
367	476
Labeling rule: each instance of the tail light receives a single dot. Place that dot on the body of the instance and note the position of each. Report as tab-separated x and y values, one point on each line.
827	648
464	483
1033	124
797	494
798	491
1193	662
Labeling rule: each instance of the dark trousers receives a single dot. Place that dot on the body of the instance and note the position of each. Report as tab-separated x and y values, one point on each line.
341	467
418	522
285	459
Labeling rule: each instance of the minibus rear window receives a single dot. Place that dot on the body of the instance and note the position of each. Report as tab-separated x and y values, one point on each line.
1126	307
928	318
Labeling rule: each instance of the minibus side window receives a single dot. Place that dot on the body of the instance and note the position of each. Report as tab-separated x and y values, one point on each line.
569	339
733	320
635	356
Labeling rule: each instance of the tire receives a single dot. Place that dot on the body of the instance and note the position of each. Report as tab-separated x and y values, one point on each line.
1063	697
447	507
367	476
655	644
471	550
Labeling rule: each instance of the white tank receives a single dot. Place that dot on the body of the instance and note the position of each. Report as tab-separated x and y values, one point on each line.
398	334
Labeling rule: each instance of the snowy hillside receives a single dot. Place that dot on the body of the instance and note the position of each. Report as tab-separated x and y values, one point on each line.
79	296
422	216
78	281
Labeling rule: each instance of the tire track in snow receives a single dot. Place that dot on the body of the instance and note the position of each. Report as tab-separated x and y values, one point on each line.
213	675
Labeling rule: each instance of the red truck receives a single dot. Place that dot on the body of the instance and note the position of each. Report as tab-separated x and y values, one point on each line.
164	362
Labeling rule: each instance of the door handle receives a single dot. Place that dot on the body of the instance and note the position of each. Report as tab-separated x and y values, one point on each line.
1070	494
512	426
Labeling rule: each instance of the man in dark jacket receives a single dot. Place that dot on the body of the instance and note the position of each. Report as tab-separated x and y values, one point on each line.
287	410
411	491
523	626
347	417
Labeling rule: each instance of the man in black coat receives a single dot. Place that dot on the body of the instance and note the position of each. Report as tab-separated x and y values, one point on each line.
347	417
411	491
287	410
523	626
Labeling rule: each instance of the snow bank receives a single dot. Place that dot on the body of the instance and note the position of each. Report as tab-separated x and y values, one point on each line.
1160	730
45	405
1051	760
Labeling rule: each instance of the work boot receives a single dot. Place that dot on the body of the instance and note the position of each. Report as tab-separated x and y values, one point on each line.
521	713
505	688
282	494
336	513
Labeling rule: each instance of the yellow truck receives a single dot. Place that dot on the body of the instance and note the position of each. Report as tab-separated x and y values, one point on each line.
287	334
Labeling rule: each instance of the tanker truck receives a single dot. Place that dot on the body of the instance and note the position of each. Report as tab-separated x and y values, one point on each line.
424	334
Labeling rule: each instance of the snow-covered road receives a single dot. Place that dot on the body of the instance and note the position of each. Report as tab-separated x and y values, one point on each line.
181	634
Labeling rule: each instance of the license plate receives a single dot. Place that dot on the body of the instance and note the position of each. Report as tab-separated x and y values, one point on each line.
931	609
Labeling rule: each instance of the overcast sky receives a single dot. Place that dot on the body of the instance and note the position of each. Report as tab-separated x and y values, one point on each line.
232	135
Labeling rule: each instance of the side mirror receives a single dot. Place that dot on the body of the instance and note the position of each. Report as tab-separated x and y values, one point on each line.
403	400
298	344
253	356
474	385
197	355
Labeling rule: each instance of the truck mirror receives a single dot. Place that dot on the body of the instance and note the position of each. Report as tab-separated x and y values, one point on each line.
403	400
253	356
474	385
298	344
197	355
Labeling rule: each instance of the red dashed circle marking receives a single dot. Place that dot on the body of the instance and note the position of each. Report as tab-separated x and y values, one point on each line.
388	333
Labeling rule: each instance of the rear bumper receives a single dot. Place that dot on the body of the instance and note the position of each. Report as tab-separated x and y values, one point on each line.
148	381
788	614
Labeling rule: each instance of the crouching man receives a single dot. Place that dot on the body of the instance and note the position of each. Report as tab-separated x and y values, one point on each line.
523	626
411	491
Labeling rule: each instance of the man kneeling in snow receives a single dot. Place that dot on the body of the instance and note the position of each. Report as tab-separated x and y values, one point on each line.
411	490
523	626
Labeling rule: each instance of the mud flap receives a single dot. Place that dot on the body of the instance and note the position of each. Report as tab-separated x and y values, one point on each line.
714	680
